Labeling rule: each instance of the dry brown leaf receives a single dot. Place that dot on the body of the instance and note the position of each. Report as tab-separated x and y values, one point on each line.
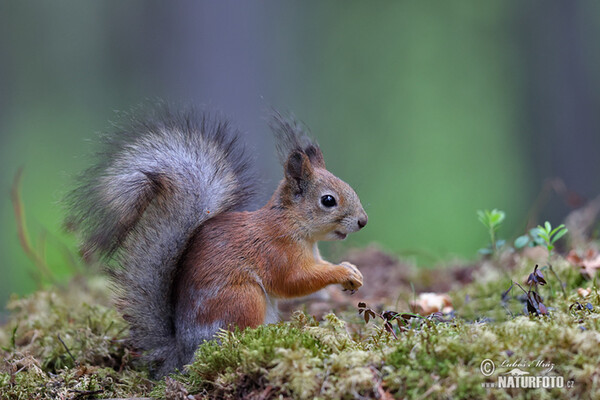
429	303
584	292
589	263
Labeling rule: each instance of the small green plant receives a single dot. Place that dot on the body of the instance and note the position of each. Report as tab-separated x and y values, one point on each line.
550	236
541	236
547	237
491	220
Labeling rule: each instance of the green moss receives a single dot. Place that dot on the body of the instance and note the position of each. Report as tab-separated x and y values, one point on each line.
338	357
65	342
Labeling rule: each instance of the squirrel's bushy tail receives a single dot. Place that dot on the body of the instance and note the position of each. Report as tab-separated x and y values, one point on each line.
157	178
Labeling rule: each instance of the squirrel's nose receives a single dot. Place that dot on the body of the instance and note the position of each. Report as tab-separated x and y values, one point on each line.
362	222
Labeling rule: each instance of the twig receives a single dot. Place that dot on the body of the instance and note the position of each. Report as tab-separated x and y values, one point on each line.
130	398
67	349
83	393
19	211
381	392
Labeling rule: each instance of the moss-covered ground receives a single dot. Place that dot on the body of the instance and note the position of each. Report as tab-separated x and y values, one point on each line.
68	342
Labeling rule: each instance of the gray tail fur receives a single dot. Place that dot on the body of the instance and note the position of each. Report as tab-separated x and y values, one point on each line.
158	177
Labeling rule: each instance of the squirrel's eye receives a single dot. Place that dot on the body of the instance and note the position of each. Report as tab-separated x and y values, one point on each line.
328	200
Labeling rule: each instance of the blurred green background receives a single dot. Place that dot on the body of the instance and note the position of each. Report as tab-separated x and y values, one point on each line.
430	110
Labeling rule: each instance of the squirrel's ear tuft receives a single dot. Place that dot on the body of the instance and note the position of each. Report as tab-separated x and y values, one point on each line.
315	155
298	172
291	136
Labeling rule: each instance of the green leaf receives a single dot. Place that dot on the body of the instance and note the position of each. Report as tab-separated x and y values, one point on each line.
557	229
491	219
543	233
560	234
521	241
482	218
498	216
485	251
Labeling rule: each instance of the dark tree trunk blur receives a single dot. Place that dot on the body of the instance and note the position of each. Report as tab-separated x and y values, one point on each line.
563	102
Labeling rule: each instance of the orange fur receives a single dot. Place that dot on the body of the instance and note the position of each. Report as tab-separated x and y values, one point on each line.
231	250
236	263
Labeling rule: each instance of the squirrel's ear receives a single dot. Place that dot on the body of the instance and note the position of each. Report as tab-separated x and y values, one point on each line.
315	155
298	171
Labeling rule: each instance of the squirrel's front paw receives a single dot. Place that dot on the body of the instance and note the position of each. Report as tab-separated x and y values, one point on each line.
354	280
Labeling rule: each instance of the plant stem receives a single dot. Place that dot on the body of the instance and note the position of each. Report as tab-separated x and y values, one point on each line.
558	279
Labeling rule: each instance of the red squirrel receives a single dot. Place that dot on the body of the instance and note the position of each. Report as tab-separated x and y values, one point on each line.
167	205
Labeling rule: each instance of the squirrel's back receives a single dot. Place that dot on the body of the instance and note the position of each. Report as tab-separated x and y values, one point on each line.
157	178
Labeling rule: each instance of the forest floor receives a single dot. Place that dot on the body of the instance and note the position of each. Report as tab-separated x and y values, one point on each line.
499	327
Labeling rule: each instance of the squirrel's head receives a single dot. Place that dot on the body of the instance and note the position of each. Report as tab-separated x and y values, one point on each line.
325	206
322	205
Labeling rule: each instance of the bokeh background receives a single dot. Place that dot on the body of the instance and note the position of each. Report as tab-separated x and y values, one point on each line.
430	110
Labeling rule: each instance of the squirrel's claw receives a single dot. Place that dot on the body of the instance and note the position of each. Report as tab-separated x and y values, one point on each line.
354	278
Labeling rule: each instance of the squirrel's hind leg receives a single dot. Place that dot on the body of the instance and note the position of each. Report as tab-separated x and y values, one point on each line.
239	306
